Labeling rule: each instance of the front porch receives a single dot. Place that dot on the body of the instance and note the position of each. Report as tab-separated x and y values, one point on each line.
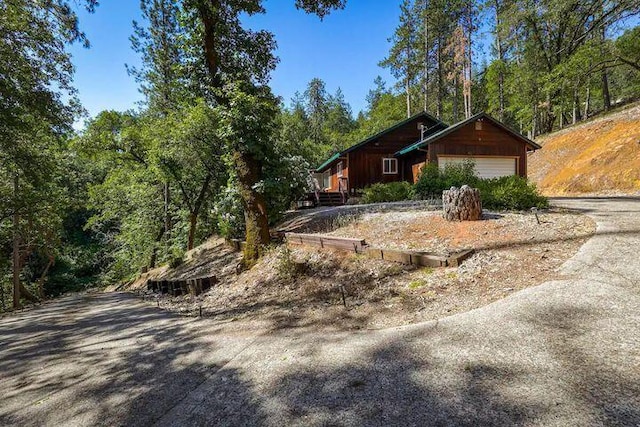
323	198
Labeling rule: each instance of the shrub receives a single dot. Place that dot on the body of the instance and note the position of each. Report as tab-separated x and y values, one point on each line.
510	193
230	212
390	192
287	268
505	193
433	180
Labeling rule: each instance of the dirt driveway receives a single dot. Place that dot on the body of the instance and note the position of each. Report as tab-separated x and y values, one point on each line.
562	353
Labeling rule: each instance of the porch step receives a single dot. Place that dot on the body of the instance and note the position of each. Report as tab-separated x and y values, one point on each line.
330	199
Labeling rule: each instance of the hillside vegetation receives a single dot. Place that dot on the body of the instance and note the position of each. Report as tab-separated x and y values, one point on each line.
600	156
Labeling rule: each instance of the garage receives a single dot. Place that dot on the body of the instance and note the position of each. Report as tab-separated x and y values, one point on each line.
486	167
496	149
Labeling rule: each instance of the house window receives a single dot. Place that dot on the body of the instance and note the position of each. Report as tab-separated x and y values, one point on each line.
389	166
339	169
326	179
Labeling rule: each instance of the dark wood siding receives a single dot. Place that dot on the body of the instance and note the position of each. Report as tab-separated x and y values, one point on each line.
365	163
413	163
334	172
488	141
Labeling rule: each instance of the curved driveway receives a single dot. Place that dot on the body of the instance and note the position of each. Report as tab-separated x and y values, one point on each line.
562	353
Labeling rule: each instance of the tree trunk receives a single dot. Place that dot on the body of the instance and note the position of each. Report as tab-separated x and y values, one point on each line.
408	94
26	294
43	276
586	103
425	81
195	212
576	102
606	97
462	204
255	208
193	222
154	252
440	79
455	99
469	60
16	246
534	121
501	59
167	200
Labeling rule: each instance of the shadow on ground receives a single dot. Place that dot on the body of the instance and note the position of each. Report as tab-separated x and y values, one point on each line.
562	354
110	361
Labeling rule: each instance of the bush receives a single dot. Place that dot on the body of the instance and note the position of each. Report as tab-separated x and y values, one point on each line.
230	212
433	180
391	192
505	193
510	193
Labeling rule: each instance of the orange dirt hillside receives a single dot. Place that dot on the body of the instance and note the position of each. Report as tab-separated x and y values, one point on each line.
600	156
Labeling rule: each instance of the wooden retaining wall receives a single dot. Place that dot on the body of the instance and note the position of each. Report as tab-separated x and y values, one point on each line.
417	258
328	242
194	286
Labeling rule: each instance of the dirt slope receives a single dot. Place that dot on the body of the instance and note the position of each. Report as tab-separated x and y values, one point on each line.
600	156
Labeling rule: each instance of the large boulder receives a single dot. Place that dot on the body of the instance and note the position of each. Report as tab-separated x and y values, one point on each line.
461	204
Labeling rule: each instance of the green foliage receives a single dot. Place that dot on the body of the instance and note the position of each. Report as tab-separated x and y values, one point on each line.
286	267
316	123
285	181
510	193
387	110
230	213
433	180
504	193
390	192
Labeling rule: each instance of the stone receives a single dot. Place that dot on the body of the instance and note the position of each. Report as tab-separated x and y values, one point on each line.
461	204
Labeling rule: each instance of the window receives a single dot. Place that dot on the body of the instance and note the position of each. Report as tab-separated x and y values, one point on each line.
389	166
339	169
326	179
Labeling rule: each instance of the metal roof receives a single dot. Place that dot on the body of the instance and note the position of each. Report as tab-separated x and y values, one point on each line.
458	125
328	162
378	135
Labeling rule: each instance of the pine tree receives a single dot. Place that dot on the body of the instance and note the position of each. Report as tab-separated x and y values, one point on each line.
403	60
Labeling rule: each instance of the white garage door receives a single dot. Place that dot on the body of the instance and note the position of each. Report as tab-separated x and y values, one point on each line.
486	167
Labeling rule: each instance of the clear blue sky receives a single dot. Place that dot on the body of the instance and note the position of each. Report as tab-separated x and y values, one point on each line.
343	50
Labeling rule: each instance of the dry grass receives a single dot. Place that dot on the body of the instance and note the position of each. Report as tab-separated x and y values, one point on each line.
601	156
304	287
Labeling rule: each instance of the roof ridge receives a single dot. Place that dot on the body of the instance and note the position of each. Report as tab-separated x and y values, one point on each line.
379	134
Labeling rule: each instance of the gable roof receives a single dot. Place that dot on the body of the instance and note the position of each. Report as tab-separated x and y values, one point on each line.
461	124
372	138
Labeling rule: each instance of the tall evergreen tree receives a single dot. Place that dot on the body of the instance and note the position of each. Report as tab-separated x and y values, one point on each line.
403	60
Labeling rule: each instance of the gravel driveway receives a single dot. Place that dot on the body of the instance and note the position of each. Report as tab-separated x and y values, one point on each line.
562	353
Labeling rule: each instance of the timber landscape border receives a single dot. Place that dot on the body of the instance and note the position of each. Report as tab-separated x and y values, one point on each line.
359	246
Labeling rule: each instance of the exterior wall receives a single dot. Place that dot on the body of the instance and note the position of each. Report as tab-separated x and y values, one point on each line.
334	173
413	163
365	163
489	141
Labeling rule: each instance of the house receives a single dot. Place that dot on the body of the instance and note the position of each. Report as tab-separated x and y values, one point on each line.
399	152
373	160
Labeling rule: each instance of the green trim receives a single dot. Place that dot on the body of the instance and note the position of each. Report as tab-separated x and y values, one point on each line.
416	145
378	135
328	162
458	125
